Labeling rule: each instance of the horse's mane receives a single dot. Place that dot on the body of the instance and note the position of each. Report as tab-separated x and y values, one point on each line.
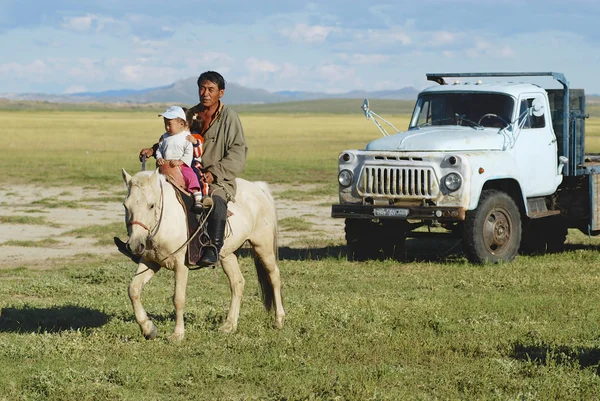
142	178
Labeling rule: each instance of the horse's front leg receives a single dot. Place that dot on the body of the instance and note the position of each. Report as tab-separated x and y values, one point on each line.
144	273
231	268
181	279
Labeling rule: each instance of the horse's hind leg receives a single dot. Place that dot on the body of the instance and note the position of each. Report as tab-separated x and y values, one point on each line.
266	259
143	274
231	268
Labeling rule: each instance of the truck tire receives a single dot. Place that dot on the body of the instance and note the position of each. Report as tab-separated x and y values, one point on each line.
492	231
375	240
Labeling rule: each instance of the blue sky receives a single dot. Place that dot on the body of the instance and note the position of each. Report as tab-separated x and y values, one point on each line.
66	46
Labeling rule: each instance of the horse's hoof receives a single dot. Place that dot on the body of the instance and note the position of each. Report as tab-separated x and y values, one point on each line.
227	328
175	338
278	323
153	333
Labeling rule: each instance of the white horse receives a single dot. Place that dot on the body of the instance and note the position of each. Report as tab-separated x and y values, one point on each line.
157	228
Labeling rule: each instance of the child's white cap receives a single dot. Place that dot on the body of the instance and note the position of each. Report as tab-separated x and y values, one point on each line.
173	112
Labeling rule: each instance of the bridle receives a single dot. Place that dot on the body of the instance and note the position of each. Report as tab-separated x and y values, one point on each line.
152	233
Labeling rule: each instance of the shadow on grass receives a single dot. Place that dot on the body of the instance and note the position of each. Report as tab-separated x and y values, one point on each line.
439	249
581	247
53	320
544	354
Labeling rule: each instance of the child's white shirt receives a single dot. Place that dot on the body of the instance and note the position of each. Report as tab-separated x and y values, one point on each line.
176	147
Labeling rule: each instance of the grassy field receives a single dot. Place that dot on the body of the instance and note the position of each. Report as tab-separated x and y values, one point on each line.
91	147
434	327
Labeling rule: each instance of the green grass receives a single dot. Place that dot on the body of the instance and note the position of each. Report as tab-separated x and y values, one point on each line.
355	331
294	224
43	243
103	233
94	146
31	220
433	327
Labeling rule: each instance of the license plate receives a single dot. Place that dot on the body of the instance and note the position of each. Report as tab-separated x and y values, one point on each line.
389	212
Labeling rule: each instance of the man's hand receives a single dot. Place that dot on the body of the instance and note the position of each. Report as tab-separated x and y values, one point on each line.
148	152
208	177
160	162
175	163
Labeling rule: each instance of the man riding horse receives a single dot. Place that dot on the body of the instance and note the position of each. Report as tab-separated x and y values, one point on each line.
223	157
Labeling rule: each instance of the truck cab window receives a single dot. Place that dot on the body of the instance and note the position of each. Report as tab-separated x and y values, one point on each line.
463	109
526	118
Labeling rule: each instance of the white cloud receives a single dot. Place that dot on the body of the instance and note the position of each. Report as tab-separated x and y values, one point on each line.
363	58
81	23
254	65
75	89
289	71
147	75
484	48
37	70
389	36
335	72
304	33
443	38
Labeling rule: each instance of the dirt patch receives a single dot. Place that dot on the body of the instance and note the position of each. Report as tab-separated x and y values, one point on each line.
62	210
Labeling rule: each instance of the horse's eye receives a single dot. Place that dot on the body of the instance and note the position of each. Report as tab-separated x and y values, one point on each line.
151	206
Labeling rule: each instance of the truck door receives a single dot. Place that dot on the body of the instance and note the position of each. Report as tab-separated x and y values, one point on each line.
536	148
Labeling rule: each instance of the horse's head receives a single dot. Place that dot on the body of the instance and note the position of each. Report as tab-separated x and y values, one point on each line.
143	207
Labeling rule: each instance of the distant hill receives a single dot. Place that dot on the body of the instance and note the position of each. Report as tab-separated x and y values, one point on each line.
186	92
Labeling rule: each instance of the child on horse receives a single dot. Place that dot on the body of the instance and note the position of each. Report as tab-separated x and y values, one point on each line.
176	150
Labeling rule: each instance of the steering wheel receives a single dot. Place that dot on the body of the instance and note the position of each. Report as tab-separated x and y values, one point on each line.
490	115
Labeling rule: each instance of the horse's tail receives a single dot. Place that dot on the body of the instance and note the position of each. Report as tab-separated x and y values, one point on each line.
266	287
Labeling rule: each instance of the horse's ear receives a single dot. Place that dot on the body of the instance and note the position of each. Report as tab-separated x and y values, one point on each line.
153	176
126	176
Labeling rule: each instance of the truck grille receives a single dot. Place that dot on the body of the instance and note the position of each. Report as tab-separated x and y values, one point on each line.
399	182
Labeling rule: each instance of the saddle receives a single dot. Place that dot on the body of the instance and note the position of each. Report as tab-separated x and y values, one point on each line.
194	248
194	219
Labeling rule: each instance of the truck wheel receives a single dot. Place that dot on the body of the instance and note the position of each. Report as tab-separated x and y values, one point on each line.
369	240
492	232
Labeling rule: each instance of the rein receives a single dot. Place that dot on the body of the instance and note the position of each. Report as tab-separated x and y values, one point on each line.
157	227
151	235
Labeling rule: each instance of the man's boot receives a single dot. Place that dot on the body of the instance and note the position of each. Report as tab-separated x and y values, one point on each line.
216	231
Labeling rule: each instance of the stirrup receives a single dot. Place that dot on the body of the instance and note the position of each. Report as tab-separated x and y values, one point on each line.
203	262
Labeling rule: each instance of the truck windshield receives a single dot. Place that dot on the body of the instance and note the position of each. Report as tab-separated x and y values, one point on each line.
465	108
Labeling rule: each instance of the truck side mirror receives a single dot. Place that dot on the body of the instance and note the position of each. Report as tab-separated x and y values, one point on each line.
365	108
537	107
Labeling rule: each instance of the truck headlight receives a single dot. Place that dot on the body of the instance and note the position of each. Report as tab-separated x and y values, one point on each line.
345	178
453	181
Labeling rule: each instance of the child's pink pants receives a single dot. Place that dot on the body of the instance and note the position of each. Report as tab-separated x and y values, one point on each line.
190	178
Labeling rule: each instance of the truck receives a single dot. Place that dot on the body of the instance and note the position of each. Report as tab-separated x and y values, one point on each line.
492	158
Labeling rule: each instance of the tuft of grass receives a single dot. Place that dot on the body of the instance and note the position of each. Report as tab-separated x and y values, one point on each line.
104	199
43	243
55	203
40	221
294	224
103	233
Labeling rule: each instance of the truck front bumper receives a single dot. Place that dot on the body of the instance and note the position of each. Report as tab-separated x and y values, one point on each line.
401	213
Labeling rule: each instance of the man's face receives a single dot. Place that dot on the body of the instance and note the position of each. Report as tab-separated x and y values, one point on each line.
209	93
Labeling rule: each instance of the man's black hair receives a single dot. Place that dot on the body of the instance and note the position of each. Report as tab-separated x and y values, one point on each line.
213	77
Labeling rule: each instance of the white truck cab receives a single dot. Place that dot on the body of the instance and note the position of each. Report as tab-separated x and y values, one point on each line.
478	158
